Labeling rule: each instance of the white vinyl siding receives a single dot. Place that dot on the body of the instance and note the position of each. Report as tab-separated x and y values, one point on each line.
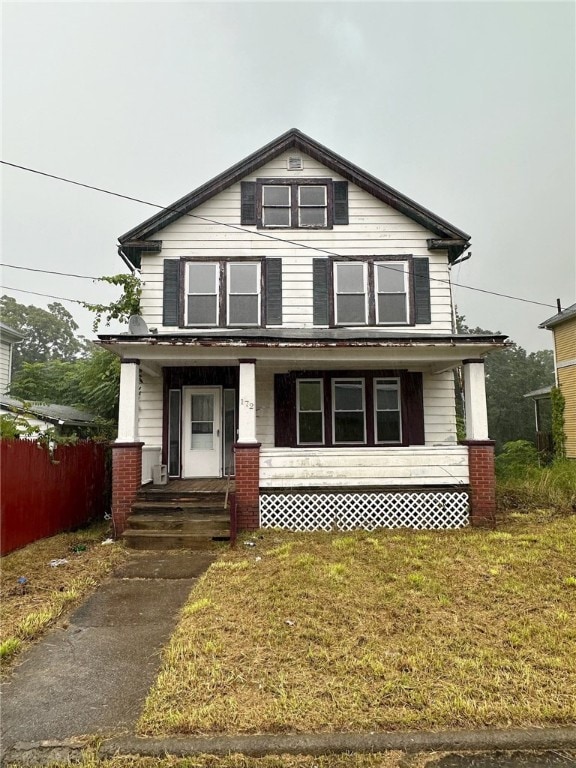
375	229
361	467
439	409
150	410
5	364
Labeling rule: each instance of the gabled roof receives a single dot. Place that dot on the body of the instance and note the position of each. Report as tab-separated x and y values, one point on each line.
296	140
9	334
566	314
52	412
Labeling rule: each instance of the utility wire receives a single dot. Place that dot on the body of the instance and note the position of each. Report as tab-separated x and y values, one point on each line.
49	272
47	295
252	233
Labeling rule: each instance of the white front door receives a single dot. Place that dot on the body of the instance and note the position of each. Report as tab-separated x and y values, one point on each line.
202	443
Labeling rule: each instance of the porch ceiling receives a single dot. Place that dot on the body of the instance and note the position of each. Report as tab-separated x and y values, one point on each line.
429	353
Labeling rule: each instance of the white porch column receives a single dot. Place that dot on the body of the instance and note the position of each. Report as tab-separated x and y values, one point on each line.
475	400
247	412
128	407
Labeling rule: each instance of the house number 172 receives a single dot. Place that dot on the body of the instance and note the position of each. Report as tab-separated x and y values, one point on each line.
247	404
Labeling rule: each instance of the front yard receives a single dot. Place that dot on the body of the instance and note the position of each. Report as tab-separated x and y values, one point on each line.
35	594
389	630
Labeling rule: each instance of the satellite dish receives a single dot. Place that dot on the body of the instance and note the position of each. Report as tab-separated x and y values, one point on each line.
137	326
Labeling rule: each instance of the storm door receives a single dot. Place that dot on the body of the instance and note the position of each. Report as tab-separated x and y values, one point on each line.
201	432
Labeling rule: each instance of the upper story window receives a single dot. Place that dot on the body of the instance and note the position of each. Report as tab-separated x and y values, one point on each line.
202	294
371	292
218	294
243	294
294	204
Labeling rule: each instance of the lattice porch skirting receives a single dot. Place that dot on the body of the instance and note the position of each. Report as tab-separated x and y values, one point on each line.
364	511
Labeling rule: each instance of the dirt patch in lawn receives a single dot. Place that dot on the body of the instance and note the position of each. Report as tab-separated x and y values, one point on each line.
387	630
44	581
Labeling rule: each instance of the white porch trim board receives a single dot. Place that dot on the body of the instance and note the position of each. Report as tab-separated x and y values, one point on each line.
475	401
128	405
247	403
362	467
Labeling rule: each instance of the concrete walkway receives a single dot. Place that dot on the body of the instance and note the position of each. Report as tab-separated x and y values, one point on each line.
93	676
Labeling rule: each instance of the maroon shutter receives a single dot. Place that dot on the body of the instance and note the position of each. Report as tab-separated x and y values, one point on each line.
412	408
284	411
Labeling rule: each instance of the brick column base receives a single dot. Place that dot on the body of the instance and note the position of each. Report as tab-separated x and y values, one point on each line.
482	482
247	485
126	481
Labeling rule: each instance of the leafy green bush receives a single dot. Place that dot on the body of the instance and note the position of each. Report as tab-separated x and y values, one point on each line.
517	459
536	487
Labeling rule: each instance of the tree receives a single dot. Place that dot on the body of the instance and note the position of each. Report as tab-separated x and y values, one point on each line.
510	374
91	383
48	334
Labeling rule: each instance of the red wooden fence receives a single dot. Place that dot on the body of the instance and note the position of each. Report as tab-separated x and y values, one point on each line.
44	494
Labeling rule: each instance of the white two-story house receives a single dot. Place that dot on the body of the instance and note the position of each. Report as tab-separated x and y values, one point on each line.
299	338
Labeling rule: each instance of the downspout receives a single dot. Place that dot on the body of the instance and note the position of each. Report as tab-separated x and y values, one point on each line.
126	260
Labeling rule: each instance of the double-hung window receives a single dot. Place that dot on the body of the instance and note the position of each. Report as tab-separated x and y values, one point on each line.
387	417
350	293
391	280
243	283
310	407
348	411
202	289
295	205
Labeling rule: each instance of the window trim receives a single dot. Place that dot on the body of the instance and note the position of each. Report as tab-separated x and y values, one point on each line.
322	411
334	381
222	295
294	184
375	383
371	295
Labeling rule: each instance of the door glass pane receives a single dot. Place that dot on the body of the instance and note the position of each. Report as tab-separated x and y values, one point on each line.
174	432
243	310
202	278
202	310
203	408
243	278
391	277
392	308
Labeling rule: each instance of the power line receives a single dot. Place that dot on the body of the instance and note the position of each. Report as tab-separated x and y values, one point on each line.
47	295
49	272
258	233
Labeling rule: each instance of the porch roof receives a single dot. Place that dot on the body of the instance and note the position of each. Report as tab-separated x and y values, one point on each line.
305	347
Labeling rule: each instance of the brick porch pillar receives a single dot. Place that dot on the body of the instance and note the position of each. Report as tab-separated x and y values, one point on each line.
126	480
247	485
482	482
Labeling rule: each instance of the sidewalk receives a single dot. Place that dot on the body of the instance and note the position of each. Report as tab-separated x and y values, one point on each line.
93	676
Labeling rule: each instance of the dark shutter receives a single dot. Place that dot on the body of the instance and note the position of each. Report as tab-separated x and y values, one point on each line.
320	291
284	411
248	203
422	291
170	306
340	202
273	291
412	408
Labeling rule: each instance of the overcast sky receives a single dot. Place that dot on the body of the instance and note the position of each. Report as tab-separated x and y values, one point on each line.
467	107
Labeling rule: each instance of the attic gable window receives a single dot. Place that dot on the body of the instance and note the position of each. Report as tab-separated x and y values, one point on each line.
294	204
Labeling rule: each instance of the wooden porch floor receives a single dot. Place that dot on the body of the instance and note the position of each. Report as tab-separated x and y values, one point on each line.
195	485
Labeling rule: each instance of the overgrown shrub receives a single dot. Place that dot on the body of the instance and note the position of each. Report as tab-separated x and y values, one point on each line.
518	459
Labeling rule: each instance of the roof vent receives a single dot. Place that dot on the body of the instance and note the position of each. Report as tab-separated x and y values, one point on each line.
294	163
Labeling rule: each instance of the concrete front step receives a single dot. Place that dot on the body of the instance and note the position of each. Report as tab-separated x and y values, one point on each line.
162	540
192	523
203	506
179	496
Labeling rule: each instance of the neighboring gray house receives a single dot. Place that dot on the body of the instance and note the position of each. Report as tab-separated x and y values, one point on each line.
8	337
63	418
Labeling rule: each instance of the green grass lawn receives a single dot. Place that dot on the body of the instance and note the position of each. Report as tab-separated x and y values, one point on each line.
50	593
388	630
